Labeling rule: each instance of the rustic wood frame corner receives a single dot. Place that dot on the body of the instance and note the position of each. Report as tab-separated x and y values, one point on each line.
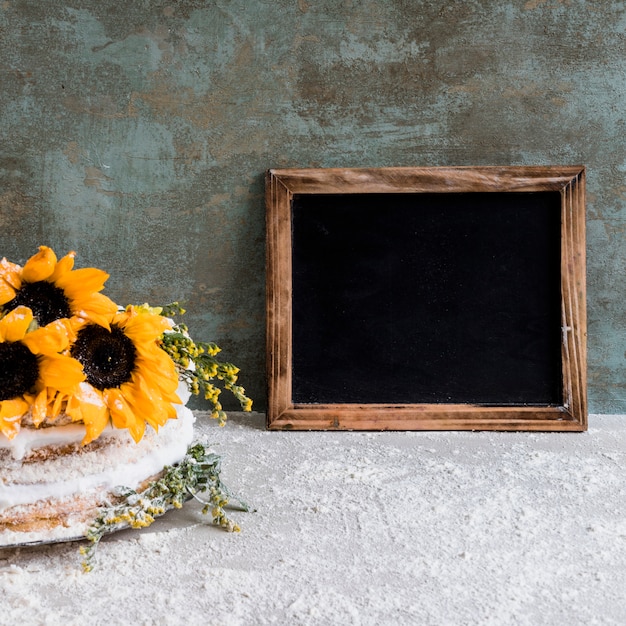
282	184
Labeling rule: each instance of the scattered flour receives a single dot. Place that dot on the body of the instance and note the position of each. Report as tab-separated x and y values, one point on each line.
363	529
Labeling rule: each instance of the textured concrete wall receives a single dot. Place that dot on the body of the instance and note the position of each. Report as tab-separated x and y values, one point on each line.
137	133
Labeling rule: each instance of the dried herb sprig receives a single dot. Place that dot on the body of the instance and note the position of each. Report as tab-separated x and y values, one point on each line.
198	473
199	367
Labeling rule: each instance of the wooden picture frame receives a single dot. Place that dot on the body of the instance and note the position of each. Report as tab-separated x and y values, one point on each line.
550	216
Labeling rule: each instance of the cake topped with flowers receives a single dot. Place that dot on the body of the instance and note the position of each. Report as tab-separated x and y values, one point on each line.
92	393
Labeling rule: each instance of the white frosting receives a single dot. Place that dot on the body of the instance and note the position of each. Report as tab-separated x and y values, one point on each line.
32	438
119	461
126	464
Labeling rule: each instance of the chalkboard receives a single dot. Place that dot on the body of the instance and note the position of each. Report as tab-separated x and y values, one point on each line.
422	298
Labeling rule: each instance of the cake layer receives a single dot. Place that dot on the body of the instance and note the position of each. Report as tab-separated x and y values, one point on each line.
52	491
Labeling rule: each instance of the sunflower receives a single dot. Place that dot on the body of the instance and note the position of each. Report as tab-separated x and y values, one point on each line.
129	379
53	290
33	373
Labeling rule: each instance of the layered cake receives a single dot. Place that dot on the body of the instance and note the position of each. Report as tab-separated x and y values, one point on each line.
92	397
53	485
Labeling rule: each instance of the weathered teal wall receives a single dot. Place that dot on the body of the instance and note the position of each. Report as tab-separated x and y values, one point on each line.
137	133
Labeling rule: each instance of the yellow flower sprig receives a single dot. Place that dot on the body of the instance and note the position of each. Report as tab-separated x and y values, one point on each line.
197	473
199	367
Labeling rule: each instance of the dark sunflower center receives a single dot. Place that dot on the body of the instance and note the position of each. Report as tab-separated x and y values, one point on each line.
108	358
45	300
19	370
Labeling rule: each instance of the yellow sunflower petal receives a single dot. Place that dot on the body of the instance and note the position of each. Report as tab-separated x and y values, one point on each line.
95	307
66	326
144	407
146	402
145	328
154	357
10	413
40	266
7	293
83	281
87	405
148	349
13	326
165	396
60	372
50	339
11	273
63	266
169	392
122	414
56	401
40	407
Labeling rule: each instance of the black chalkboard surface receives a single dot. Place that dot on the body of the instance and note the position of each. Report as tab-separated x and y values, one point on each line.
419	298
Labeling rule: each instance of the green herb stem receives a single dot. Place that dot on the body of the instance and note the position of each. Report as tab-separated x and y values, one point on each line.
198	473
